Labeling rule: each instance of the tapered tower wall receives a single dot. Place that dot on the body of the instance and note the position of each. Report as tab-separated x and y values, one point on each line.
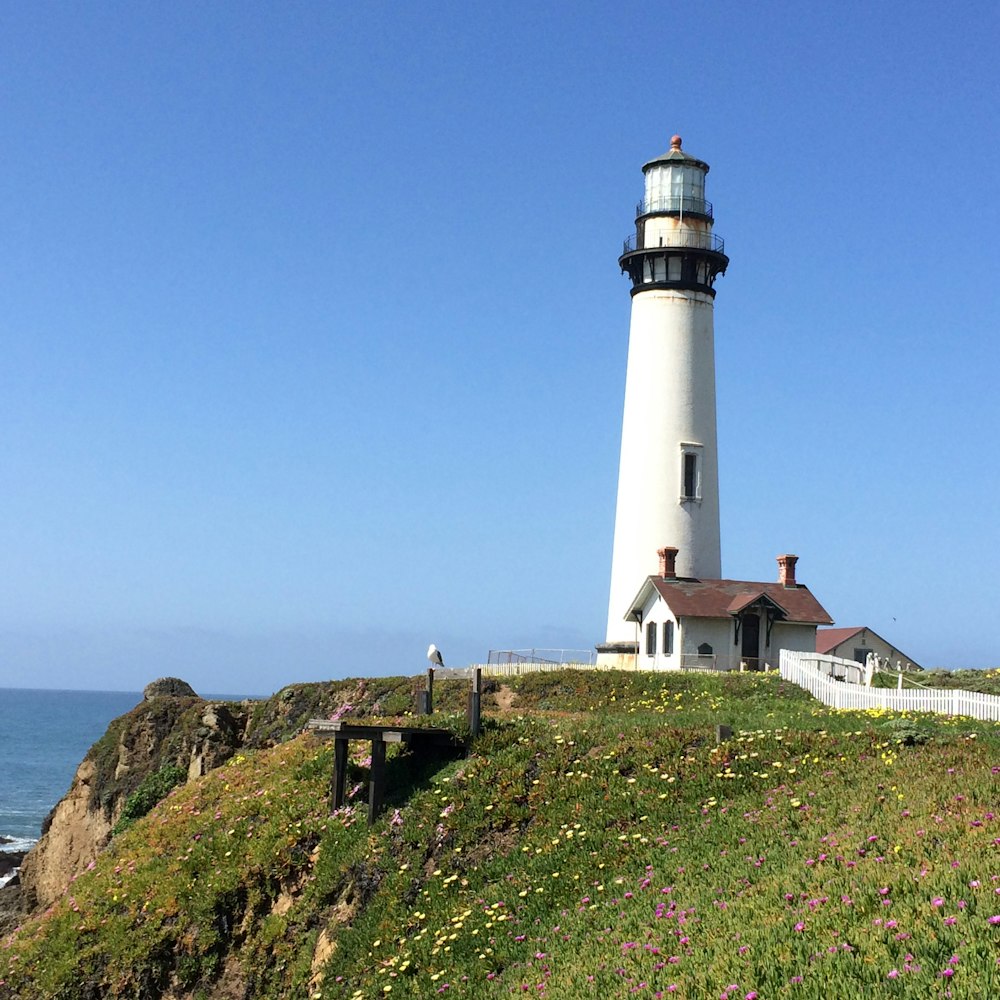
668	478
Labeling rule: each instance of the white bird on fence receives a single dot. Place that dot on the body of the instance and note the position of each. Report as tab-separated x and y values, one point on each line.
434	655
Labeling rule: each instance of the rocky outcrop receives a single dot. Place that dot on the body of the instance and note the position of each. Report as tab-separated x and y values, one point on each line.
173	728
168	687
215	740
170	728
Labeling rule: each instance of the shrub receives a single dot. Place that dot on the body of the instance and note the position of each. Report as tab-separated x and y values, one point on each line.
153	788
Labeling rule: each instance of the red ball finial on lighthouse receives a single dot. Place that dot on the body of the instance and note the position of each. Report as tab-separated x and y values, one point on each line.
675	142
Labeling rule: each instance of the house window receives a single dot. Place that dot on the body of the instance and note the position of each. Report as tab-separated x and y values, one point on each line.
705	649
651	639
668	638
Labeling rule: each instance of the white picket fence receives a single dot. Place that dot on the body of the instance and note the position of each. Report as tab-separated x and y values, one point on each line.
826	678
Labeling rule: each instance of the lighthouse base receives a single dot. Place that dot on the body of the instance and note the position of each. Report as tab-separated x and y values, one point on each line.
617	655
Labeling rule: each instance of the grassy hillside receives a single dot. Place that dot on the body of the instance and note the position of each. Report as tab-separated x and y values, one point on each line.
596	842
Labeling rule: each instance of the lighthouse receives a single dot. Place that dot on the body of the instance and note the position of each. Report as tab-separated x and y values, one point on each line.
668	477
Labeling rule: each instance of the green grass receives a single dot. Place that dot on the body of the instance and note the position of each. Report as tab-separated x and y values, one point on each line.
597	841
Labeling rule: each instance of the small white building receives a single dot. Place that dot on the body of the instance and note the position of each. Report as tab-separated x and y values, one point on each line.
725	624
856	642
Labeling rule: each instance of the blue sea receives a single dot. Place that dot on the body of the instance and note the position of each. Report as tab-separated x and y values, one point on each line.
43	737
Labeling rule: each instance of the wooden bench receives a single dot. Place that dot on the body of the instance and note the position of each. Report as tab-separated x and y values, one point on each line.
415	737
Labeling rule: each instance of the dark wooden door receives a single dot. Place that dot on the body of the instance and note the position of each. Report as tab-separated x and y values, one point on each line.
750	646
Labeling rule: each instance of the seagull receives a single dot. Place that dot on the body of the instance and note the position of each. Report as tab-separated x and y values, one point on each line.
434	655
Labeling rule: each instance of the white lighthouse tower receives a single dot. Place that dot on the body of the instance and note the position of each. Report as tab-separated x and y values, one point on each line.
668	479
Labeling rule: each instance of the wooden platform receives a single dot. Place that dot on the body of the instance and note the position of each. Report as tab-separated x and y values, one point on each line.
415	737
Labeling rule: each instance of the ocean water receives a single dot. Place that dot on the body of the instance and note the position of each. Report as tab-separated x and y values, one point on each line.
43	737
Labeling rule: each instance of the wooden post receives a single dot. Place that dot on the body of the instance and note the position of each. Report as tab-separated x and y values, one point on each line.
376	780
723	733
339	771
425	698
475	702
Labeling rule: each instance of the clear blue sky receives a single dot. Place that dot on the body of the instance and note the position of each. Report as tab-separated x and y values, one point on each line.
313	336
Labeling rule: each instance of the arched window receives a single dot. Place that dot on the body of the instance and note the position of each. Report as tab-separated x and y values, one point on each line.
651	639
668	638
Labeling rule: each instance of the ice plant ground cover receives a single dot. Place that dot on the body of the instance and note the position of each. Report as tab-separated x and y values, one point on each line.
596	842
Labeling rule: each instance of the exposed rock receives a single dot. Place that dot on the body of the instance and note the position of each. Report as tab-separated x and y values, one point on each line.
74	835
12	910
173	726
325	947
9	861
231	985
178	730
217	738
170	687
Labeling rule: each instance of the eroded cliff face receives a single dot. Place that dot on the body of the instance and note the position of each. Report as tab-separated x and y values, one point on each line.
74	835
172	727
184	731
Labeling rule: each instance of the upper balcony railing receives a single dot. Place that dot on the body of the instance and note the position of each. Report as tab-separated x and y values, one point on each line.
694	239
674	203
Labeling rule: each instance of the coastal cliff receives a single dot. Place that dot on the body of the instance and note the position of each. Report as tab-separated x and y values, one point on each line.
601	837
170	737
171	727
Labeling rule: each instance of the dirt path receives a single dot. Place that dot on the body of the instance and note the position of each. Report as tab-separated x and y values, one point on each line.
505	698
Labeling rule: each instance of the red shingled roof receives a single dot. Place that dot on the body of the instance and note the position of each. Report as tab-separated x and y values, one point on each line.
725	598
828	639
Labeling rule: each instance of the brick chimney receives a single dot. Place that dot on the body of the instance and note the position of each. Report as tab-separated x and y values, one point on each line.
668	560
786	570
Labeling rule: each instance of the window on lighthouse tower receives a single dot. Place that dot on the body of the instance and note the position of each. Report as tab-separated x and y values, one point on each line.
690	473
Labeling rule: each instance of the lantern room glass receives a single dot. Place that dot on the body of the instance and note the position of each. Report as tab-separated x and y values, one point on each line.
672	186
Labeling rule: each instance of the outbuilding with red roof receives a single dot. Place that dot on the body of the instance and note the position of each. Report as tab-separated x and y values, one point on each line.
857	641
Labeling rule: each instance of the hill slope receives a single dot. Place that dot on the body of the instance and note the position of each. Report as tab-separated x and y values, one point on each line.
596	841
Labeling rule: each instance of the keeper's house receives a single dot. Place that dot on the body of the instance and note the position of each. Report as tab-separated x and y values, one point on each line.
857	642
722	624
